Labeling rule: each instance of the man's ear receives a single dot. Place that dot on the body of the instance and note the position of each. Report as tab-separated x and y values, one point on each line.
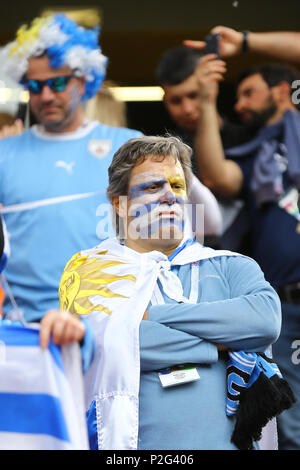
164	95
120	205
81	81
282	92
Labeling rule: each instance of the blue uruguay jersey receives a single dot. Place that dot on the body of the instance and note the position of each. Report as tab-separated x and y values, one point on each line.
53	189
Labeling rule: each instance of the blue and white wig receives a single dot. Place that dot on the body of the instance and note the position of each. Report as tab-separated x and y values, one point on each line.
65	43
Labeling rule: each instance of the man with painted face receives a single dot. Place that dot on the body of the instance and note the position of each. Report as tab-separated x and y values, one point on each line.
165	310
54	175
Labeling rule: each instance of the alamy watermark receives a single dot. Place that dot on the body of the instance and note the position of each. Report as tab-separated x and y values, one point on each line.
296	93
151	221
296	354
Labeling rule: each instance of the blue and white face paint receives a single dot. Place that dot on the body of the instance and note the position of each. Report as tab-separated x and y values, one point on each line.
156	204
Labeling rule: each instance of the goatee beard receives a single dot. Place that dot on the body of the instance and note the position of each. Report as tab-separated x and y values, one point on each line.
260	119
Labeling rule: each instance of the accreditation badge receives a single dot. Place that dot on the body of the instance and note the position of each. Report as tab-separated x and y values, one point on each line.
177	375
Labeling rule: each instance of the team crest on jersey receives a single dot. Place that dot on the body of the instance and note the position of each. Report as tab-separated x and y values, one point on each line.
99	148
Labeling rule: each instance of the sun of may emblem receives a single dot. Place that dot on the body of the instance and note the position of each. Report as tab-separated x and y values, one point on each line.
83	278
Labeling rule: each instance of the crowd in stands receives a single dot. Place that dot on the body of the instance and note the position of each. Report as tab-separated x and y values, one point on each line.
153	252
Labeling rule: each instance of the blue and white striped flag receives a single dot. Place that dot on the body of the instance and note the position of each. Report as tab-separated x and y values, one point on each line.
41	393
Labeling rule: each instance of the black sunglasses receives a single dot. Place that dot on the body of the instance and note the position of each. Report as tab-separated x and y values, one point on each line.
56	84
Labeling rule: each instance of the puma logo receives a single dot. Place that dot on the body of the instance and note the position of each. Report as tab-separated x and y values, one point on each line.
67	166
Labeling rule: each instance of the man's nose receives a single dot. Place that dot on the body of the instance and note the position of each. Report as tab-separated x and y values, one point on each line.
239	105
168	197
46	94
188	106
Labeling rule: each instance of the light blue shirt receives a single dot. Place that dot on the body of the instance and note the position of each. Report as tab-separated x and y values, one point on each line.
37	168
236	308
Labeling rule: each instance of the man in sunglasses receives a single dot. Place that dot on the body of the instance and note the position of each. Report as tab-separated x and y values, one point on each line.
54	175
56	100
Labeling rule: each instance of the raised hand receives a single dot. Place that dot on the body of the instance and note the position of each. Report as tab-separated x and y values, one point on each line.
230	41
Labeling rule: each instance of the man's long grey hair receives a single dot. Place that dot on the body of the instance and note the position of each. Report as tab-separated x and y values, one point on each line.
134	152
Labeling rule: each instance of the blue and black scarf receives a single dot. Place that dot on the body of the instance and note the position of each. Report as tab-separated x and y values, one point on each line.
256	393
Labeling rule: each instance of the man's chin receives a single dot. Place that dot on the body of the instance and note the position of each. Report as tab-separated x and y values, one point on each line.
256	120
165	234
161	241
254	123
52	123
189	127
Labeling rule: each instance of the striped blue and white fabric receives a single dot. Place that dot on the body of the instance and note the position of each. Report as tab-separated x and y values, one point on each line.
243	370
240	367
41	393
256	394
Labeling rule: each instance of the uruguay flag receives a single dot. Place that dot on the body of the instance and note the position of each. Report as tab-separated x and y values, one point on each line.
41	393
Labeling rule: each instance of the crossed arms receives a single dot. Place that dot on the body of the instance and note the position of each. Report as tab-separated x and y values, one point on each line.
249	320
